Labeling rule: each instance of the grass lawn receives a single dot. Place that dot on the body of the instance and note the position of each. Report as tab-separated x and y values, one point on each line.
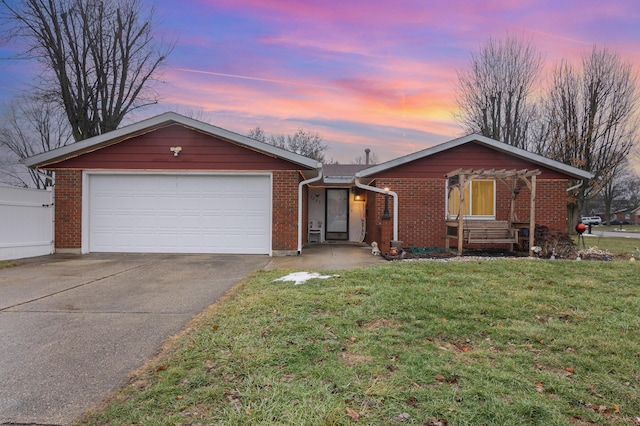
616	245
625	228
491	342
6	264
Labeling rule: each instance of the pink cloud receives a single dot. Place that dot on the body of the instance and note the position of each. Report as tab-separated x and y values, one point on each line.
374	63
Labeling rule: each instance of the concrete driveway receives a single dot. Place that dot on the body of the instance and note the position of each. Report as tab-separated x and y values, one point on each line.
73	327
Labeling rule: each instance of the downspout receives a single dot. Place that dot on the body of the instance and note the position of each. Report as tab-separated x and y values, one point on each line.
395	203
575	186
300	185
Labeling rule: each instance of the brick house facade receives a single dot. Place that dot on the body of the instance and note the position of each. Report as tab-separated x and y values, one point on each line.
265	193
146	151
421	187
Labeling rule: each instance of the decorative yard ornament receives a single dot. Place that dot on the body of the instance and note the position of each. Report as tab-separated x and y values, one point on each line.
580	228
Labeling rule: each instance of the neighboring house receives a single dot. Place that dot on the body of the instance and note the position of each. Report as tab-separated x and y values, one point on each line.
173	184
626	215
635	216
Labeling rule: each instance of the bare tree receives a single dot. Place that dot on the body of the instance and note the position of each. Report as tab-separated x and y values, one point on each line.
302	142
593	120
30	126
494	94
630	194
98	57
258	134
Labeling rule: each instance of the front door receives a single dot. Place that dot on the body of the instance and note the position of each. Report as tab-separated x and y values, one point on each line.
337	219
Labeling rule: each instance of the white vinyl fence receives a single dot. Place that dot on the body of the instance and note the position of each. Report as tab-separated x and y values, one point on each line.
26	223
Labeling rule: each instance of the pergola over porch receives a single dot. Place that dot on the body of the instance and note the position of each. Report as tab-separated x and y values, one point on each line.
512	179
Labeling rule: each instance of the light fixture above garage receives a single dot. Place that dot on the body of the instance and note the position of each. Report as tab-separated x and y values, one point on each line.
176	150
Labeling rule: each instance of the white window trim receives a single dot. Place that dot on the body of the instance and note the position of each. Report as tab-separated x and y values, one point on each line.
470	217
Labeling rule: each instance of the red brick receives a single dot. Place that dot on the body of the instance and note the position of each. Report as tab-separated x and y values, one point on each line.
68	209
421	205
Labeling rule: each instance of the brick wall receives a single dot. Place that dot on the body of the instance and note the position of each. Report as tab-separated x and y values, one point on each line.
551	204
68	209
421	205
285	210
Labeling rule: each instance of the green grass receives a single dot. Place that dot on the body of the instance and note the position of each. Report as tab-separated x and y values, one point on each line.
500	342
625	228
6	264
615	245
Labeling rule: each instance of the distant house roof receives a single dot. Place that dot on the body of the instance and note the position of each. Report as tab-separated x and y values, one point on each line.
145	126
483	140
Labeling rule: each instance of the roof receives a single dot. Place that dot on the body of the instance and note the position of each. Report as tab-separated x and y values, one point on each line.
482	140
340	174
168	118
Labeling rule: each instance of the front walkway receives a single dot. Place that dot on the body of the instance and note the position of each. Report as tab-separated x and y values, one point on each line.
327	257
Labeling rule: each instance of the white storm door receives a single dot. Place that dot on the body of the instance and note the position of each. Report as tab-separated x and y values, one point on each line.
337	215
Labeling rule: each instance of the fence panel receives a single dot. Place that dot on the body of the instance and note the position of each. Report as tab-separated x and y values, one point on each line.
26	223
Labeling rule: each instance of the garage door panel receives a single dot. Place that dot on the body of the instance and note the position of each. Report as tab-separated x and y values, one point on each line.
179	213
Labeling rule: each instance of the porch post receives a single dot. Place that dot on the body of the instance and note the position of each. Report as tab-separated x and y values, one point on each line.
385	234
462	183
532	216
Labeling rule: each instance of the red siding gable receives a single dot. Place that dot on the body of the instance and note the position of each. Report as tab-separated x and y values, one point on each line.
467	156
151	151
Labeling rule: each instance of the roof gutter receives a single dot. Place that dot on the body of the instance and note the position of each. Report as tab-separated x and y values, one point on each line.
300	185
382	191
575	186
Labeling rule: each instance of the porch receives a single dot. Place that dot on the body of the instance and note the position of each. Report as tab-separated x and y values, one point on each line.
467	227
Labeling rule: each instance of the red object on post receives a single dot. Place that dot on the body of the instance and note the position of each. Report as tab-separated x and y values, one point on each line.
580	228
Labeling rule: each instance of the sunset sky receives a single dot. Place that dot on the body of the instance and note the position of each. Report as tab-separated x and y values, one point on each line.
362	73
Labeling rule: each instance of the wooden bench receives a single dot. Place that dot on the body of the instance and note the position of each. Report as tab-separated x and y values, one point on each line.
489	232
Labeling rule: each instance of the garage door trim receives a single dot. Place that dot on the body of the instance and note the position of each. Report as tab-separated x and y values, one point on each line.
86	179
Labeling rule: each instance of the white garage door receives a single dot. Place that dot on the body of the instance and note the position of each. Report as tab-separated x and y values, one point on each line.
179	213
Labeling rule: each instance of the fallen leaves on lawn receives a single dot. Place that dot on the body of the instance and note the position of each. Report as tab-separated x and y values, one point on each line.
352	359
412	401
452	379
602	409
566	372
402	417
353	414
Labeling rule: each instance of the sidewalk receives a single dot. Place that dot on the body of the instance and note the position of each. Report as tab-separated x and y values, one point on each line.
327	257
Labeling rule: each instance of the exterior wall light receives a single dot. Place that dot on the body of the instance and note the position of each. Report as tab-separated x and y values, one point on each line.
176	150
385	214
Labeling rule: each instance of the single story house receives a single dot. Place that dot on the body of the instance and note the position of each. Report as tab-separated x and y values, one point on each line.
626	215
177	185
635	216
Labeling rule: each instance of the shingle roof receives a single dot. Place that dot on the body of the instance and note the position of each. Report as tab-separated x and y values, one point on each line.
483	140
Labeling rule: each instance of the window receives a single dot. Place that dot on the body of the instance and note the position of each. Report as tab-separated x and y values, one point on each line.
479	199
